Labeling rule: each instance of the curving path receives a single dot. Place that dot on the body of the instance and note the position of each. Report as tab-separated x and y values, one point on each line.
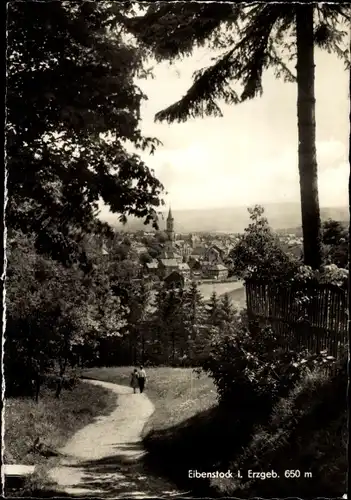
105	458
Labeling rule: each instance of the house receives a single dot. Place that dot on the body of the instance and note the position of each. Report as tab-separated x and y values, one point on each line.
205	265
195	274
169	254
138	269
198	252
104	250
167	266
214	255
151	268
179	243
217	271
186	252
195	264
193	240
139	249
174	280
184	270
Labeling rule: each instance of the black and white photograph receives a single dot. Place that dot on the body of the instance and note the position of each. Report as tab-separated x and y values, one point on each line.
175	274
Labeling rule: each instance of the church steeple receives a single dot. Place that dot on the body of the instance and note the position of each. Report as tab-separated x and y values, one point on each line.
170	226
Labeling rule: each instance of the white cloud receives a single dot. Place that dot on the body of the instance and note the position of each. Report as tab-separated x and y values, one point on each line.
333	186
205	176
330	154
249	155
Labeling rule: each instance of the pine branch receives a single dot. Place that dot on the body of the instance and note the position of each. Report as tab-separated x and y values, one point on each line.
243	63
172	31
266	33
209	82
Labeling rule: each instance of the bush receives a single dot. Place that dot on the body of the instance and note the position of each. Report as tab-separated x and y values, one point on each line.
303	433
336	243
255	366
69	381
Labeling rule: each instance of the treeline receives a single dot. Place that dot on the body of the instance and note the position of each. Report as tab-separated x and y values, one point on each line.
173	328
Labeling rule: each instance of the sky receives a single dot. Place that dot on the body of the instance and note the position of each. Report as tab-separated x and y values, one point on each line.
249	155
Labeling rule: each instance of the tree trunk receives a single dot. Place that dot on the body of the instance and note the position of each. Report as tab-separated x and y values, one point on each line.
38	381
173	346
311	223
58	388
60	380
142	348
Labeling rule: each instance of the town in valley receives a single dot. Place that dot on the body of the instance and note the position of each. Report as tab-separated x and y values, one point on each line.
177	259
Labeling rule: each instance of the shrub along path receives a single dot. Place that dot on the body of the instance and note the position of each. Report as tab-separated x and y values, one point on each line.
105	458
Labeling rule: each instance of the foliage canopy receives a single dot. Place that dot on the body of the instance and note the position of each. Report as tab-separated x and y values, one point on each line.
73	113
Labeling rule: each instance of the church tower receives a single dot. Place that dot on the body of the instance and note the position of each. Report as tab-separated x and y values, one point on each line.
170	227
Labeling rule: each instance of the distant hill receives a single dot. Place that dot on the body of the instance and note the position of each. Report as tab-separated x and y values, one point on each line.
230	219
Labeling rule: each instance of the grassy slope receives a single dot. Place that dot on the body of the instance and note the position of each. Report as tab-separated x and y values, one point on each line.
53	420
237	295
206	289
238	298
177	393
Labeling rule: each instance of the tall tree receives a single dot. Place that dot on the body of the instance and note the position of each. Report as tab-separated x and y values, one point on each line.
258	251
226	310
167	325
138	303
192	304
213	310
252	38
193	318
72	108
172	322
160	344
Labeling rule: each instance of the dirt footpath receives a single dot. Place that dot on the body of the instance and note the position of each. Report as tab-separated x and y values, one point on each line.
105	458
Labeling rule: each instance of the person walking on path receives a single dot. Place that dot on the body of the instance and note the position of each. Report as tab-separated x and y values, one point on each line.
142	379
134	380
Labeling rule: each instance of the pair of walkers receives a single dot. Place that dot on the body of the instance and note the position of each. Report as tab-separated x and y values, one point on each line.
138	379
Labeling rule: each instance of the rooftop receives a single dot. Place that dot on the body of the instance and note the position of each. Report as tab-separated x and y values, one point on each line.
169	262
152	265
170	254
184	266
218	267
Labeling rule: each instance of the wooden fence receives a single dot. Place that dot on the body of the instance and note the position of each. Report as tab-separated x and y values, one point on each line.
317	323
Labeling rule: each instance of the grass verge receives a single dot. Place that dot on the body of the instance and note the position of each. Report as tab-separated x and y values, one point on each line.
235	290
177	393
238	298
53	420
